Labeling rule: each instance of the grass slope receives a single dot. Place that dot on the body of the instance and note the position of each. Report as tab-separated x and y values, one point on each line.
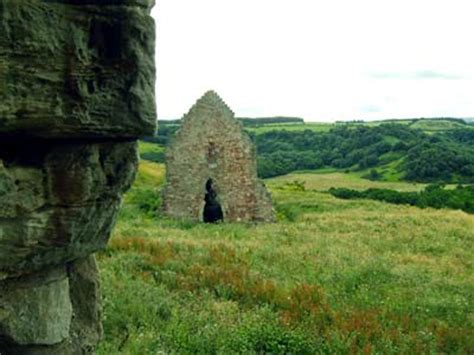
332	276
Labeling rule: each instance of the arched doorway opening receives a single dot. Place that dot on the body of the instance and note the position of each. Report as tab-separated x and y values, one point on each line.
212	209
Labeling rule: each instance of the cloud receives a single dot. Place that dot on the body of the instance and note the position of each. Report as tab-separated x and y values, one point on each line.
430	74
371	109
417	75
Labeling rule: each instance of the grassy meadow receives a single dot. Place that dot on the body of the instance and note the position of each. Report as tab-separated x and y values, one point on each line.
332	276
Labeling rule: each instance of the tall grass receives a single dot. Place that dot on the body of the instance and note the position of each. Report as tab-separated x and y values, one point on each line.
332	276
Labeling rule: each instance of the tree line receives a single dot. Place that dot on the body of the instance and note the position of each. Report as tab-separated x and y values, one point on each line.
444	157
436	196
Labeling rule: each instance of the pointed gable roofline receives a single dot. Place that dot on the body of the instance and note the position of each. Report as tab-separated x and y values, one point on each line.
212	99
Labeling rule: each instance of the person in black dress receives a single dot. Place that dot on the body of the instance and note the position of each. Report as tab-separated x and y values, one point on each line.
212	208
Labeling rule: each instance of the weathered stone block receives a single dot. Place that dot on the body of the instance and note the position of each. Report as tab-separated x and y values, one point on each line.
86	327
76	71
59	203
77	297
37	309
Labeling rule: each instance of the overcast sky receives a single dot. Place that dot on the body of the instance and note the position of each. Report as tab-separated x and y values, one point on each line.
323	60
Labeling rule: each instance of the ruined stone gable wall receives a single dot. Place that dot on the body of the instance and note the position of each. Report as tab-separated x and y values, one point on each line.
212	145
76	90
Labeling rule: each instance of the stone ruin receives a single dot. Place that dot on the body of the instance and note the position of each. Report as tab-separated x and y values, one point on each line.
211	169
76	90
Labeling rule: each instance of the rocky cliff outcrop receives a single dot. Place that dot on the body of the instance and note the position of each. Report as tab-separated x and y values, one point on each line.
76	90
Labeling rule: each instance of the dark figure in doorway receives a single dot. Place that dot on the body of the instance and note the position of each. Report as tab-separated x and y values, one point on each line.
212	208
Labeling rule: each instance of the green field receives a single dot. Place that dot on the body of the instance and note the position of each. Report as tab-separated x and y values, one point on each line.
323	180
332	276
146	148
438	125
426	125
316	127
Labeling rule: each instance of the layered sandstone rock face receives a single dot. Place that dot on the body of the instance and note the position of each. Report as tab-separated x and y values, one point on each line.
76	90
211	147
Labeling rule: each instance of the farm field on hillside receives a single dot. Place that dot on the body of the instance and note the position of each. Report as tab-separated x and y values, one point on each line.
323	181
438	125
332	276
317	127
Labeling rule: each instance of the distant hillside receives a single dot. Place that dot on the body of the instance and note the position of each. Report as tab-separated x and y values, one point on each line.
386	152
247	121
423	150
428	125
265	124
162	123
407	120
270	120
